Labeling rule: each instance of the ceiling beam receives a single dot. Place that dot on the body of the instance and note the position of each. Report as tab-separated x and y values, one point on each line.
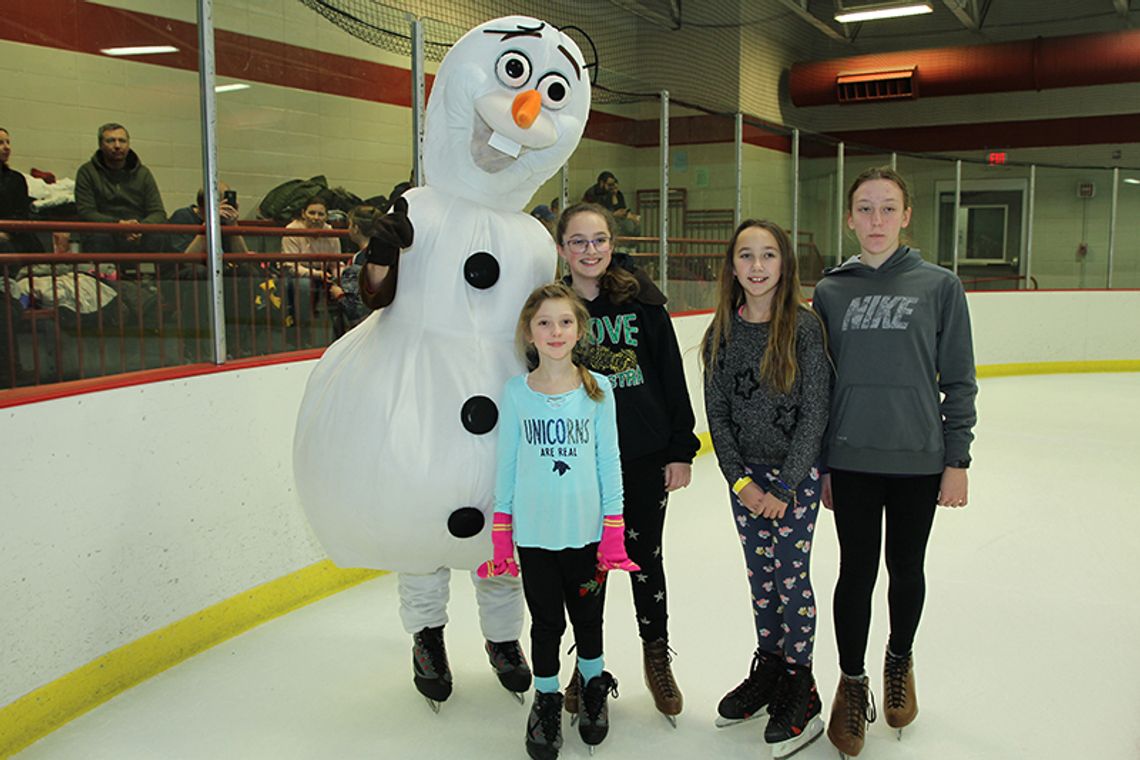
967	12
800	9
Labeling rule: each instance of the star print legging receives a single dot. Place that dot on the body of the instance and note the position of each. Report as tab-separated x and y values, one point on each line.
645	498
777	553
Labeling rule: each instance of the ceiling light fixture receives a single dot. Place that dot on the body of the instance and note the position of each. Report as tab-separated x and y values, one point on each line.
1131	181
231	87
847	14
139	50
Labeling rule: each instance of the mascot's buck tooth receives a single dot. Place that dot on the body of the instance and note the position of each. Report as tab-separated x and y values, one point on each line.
395	441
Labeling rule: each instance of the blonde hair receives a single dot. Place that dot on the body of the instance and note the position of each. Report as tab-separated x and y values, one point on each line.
778	365
555	291
616	282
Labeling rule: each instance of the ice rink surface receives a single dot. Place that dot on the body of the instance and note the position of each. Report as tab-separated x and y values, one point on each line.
1027	649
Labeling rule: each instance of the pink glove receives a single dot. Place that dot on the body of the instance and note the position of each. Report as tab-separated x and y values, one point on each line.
502	542
611	550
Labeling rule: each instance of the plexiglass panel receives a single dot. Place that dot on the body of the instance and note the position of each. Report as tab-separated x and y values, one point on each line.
1126	262
702	173
820	205
102	111
1070	227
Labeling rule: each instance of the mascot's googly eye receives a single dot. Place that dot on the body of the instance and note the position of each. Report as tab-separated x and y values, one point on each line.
513	69
555	91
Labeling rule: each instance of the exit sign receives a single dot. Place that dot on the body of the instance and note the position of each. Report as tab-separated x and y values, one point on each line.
996	159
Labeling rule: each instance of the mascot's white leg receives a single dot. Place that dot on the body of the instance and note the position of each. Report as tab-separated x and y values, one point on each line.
423	599
501	606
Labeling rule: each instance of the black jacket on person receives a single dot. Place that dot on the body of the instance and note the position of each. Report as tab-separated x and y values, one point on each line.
634	345
15	204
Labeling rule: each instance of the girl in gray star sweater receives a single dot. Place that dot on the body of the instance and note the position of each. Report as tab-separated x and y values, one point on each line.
767	388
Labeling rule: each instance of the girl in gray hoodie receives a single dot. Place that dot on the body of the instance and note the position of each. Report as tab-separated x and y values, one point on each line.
898	439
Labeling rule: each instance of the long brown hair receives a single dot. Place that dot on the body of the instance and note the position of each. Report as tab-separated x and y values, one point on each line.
778	366
617	283
555	291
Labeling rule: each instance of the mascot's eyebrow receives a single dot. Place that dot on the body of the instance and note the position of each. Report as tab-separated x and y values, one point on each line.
577	68
518	31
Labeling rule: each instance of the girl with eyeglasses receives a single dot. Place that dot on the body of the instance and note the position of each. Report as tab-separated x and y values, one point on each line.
635	347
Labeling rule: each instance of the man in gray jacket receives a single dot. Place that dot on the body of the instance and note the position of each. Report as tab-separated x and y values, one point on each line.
114	186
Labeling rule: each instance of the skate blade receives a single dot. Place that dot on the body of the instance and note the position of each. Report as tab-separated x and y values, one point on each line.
573	719
518	695
434	705
812	731
723	722
672	719
898	734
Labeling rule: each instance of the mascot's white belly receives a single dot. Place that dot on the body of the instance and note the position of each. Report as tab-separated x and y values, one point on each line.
394	453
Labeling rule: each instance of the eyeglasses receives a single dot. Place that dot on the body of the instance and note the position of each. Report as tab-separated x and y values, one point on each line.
581	245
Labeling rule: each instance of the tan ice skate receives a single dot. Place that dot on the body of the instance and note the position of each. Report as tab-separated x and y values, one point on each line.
851	712
900	704
659	678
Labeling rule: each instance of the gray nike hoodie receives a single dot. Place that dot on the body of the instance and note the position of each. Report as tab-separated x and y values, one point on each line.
900	338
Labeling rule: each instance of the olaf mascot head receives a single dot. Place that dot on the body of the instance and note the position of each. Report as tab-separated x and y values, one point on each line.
394	452
507	109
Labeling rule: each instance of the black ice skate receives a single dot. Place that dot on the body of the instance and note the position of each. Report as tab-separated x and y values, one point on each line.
544	726
749	699
510	666
793	714
432	674
594	715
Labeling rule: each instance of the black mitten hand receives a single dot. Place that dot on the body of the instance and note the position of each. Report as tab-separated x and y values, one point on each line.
393	233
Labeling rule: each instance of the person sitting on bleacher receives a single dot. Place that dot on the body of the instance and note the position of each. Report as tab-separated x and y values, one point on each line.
227	210
606	194
14	202
114	186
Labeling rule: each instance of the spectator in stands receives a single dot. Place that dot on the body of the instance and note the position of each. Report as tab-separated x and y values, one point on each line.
606	194
349	309
314	216
227	210
114	186
546	215
14	202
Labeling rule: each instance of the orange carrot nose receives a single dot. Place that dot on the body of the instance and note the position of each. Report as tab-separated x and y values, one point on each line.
526	108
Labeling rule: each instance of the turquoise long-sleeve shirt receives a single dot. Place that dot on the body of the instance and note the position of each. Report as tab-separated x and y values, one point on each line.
559	469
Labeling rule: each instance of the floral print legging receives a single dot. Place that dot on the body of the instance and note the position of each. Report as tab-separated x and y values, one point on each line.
778	556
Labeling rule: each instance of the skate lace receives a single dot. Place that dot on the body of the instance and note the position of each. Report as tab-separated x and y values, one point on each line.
594	697
430	646
782	706
550	719
897	669
758	683
507	653
860	705
660	656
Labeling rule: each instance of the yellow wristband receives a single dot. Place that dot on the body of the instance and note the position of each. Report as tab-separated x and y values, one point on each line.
739	485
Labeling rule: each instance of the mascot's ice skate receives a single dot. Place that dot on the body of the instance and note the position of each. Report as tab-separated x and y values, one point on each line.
395	442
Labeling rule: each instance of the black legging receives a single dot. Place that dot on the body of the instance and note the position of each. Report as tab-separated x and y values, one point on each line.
557	583
643	483
859	500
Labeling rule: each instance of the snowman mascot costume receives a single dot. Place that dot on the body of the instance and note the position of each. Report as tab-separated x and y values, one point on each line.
394	452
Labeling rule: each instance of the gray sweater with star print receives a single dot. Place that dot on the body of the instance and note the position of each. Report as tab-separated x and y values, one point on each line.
750	422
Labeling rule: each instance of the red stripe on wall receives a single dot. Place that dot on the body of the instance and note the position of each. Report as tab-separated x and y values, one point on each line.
86	28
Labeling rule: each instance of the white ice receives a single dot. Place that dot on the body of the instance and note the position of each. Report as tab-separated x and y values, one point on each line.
1026	649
